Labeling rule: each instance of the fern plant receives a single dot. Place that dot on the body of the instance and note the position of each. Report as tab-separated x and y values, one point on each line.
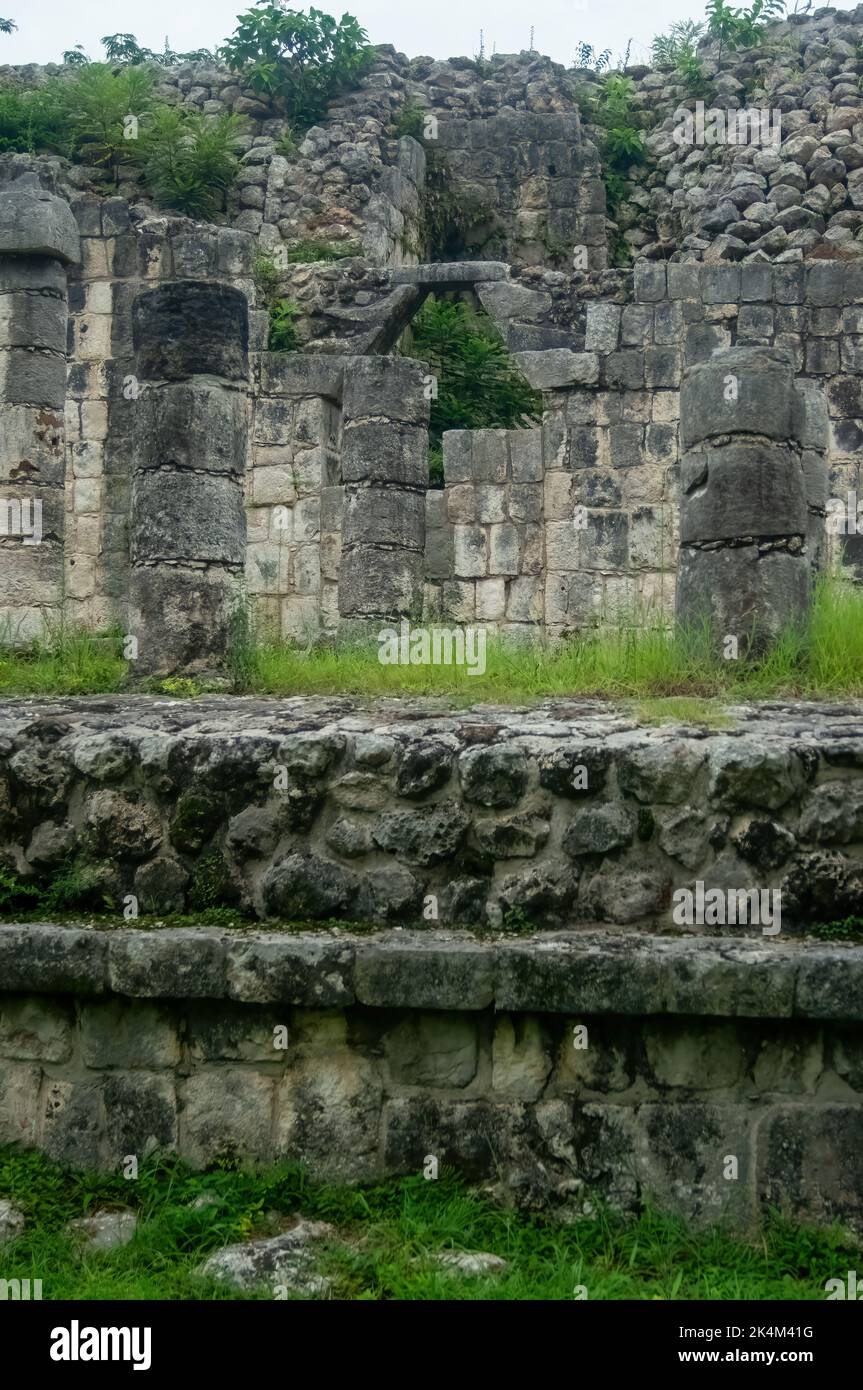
283	333
188	159
98	103
478	384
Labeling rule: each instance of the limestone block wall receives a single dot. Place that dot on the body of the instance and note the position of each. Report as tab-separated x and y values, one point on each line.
402	1046
535	183
484	547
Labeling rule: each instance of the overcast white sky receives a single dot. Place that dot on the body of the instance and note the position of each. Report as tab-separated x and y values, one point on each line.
443	28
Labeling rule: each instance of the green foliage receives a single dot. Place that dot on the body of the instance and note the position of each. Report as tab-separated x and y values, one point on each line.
678	50
67	661
98	102
210	882
436	478
636	655
74	885
33	118
586	56
681	38
450	220
848	929
479	386
267	278
189	160
388	1234
286	145
124	48
283	336
740	28
621	141
75	57
411	119
178	687
7	26
299	60
309	251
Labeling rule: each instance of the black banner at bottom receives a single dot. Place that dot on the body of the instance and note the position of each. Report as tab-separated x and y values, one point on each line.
62	1339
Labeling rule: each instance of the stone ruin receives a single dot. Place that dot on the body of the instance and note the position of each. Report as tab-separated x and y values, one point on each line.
698	412
178	463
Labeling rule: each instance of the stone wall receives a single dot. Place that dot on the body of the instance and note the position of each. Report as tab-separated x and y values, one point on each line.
563	1071
322	809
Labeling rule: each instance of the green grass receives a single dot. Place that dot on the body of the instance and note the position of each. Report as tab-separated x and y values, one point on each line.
637	661
644	662
386	1234
67	661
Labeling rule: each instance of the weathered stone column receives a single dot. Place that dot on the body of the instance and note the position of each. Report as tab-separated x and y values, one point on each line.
38	239
753	485
188	525
385	472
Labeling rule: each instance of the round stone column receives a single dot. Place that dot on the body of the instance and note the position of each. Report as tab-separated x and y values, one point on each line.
38	240
188	524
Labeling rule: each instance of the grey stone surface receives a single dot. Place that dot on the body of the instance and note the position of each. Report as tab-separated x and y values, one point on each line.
33	222
285	1263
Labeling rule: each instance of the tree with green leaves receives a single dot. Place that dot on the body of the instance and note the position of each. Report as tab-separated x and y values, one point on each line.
740	28
478	384
7	25
299	60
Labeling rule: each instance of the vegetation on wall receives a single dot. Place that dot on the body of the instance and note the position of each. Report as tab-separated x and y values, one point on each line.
188	159
478	385
740	28
678	50
283	313
299	61
610	108
454	224
586	56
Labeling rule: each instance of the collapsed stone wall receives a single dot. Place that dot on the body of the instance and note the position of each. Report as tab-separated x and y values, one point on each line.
405	1046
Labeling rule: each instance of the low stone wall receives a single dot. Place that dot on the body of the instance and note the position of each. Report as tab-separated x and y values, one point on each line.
714	1079
404	811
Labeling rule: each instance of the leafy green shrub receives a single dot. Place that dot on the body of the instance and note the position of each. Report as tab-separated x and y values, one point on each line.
678	50
621	141
283	334
286	145
300	61
98	103
266	276
740	28
411	119
33	119
848	929
478	384
188	159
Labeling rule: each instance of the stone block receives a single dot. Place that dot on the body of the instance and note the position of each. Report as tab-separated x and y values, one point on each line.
191	328
384	453
759	400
